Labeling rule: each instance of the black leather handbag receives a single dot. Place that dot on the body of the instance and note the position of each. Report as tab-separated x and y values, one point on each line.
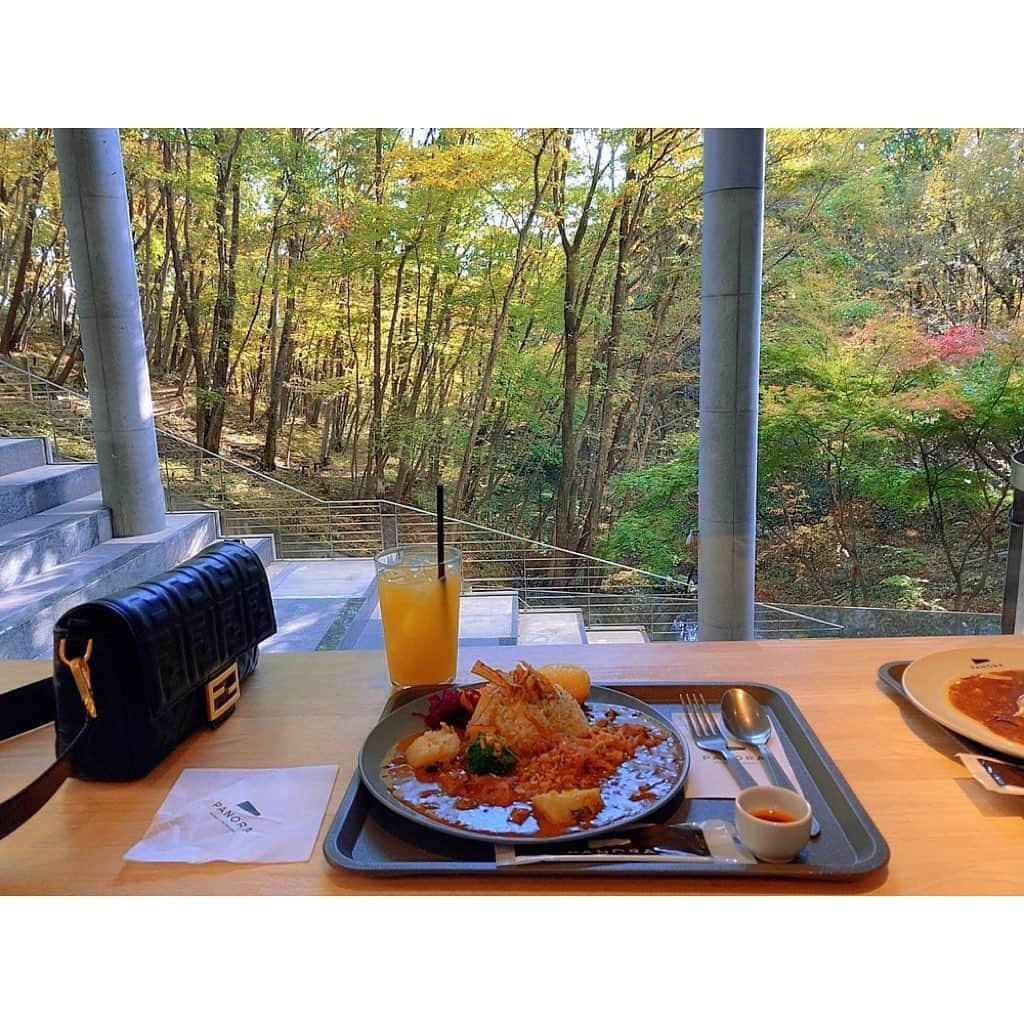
136	673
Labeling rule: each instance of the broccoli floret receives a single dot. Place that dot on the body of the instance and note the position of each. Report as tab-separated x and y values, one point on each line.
489	755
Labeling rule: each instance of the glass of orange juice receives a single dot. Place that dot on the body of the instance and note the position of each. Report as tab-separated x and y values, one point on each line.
419	610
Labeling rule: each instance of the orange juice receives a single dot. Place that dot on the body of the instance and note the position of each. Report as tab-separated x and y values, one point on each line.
419	613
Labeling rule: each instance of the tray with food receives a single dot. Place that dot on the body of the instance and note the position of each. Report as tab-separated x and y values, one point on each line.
542	771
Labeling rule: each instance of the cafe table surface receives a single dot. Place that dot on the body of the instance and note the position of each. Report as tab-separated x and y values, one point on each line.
946	834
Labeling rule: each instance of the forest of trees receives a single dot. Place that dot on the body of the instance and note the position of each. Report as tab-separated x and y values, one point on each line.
516	312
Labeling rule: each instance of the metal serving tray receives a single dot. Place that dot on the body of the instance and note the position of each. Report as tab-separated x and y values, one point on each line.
366	836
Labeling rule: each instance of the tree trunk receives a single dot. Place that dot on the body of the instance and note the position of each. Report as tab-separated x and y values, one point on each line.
215	399
281	361
12	335
575	300
185	282
374	464
598	476
282	364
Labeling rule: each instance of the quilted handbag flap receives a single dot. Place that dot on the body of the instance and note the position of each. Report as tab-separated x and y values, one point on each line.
191	621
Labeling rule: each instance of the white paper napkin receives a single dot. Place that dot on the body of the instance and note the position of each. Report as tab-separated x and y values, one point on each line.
247	816
709	775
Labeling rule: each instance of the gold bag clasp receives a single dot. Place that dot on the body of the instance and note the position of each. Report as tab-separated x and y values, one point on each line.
80	673
222	693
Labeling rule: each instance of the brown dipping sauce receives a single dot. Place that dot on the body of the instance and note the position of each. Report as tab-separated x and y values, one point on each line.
771	814
648	776
992	698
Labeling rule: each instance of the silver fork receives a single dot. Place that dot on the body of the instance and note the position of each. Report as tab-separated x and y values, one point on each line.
708	736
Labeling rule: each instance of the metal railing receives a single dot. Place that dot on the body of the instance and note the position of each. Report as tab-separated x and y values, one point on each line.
304	526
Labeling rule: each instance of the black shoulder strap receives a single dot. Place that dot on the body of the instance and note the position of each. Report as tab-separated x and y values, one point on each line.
29	707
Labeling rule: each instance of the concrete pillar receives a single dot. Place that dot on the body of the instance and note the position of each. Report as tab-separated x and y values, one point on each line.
730	333
1013	595
103	265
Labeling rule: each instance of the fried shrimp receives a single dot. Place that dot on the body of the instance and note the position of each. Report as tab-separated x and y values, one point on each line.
528	711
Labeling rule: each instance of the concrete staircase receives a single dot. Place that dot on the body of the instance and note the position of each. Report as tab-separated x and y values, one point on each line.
56	548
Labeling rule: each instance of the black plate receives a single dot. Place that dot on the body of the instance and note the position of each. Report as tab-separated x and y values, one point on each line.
379	746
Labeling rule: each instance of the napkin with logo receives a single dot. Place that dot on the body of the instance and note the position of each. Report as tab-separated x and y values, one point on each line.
709	775
248	816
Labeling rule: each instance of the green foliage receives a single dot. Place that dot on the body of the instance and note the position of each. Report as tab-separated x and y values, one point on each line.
913	150
662	502
902	591
900	560
890	485
208	398
857	313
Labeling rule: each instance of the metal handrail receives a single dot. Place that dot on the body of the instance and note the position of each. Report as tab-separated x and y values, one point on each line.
543	544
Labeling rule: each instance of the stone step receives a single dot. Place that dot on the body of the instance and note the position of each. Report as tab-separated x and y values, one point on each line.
29	610
26	492
552	626
618	635
17	453
263	544
44	541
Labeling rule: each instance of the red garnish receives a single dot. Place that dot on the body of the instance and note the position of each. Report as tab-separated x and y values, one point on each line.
453	706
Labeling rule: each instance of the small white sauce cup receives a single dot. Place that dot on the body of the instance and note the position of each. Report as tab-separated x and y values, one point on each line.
773	841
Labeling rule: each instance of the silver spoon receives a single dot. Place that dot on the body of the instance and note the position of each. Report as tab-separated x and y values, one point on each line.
749	723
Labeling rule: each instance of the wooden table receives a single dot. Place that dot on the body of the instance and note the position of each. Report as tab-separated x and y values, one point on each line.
947	834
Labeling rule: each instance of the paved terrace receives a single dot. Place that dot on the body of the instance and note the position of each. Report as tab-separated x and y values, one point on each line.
331	605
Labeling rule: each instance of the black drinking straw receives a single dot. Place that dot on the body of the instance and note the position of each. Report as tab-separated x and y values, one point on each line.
440	531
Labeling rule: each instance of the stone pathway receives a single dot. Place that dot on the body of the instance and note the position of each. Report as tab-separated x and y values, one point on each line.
316	600
552	626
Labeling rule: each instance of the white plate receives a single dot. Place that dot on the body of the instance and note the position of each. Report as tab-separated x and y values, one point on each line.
926	682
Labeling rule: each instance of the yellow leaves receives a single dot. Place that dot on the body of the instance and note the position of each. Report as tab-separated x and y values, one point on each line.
464	159
884	336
